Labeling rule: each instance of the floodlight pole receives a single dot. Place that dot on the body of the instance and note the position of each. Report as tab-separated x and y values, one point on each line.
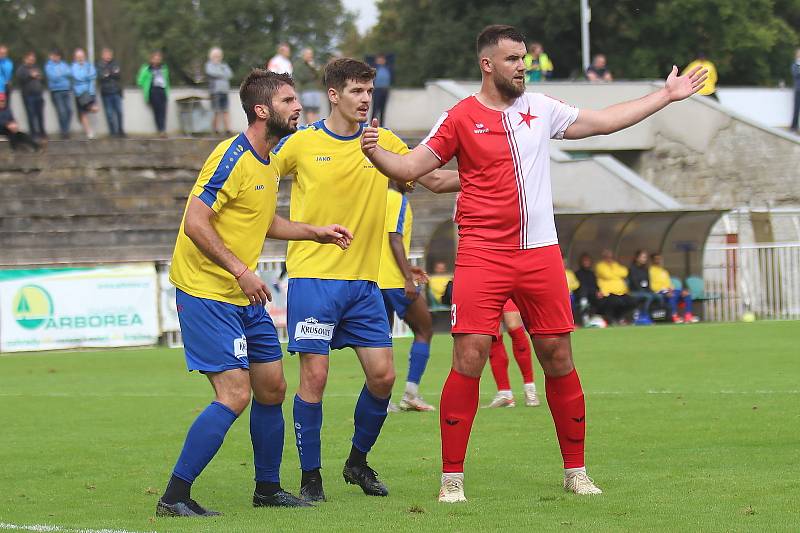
90	31
586	18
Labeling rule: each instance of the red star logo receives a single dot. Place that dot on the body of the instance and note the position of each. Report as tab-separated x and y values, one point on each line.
526	117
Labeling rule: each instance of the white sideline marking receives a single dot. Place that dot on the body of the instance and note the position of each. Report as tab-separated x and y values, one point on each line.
48	528
338	395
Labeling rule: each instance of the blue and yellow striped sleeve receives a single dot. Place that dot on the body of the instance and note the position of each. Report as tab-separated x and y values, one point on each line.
393	205
219	181
284	156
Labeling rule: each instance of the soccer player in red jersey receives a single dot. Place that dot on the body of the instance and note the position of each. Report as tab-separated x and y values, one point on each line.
508	246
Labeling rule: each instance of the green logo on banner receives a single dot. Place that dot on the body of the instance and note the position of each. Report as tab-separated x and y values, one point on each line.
32	306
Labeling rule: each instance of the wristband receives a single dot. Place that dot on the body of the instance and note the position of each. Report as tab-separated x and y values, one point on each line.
240	274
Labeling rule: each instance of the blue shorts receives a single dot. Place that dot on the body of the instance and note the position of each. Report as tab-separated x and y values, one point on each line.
327	314
395	301
219	336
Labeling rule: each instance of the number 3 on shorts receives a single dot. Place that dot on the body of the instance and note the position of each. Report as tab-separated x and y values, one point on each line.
453	315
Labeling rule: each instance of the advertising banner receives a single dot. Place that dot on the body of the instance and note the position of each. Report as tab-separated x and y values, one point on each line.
48	309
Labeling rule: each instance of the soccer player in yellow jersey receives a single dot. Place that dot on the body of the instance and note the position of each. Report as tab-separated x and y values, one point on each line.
333	298
227	333
397	281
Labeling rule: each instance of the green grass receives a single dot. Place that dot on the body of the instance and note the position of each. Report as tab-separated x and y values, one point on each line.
690	428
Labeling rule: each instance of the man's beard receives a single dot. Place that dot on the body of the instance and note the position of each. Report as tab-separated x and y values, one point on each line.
277	127
507	88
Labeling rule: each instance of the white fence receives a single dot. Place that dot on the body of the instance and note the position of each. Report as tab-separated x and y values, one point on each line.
763	279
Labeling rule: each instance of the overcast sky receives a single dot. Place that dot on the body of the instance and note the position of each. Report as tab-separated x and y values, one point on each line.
366	11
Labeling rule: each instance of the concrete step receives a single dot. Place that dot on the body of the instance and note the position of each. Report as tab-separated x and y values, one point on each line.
101	238
32	190
109	221
89	206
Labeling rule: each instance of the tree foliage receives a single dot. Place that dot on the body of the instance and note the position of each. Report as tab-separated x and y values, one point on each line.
247	30
751	41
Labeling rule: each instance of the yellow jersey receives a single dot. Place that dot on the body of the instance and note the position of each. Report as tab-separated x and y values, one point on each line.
399	219
659	279
710	85
611	278
335	184
437	283
572	280
242	189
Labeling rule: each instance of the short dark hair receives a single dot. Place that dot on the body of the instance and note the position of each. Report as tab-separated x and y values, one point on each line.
258	88
491	35
339	71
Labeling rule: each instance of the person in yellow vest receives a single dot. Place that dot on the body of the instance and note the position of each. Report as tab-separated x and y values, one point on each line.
538	66
710	87
437	282
661	283
573	285
617	301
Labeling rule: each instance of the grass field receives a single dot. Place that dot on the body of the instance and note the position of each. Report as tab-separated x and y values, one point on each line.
690	428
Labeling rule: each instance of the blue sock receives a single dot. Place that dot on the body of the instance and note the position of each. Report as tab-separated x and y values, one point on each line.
307	428
417	361
369	417
266	432
203	440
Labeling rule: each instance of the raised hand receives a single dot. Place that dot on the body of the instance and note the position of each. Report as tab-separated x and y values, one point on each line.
369	138
334	234
681	87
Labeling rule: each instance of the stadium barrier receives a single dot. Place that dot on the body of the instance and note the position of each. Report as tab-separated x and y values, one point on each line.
748	281
270	269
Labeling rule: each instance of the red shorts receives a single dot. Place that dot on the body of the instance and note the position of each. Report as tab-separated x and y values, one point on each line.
510	307
534	279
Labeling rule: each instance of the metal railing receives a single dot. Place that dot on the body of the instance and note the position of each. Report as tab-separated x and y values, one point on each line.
270	269
762	279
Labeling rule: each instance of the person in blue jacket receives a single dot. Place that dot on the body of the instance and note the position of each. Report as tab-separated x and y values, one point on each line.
59	83
83	76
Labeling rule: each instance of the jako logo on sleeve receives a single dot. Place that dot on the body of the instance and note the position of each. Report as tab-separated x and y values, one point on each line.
312	329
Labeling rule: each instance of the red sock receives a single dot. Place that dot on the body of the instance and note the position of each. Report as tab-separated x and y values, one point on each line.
565	398
522	353
456	414
498	359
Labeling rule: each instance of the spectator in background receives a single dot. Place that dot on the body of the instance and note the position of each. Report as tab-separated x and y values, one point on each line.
538	66
153	78
10	128
710	86
83	77
59	82
639	285
281	62
615	301
437	282
598	70
111	91
6	72
661	283
307	84
219	76
380	95
573	285
796	76
30	79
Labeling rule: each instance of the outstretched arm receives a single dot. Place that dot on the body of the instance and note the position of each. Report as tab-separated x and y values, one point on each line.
441	181
287	230
403	168
620	116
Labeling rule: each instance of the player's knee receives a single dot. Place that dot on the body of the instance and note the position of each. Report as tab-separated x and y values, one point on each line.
313	380
237	399
381	383
272	394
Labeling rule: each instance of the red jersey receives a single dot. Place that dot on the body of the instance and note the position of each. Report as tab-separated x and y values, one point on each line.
506	201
